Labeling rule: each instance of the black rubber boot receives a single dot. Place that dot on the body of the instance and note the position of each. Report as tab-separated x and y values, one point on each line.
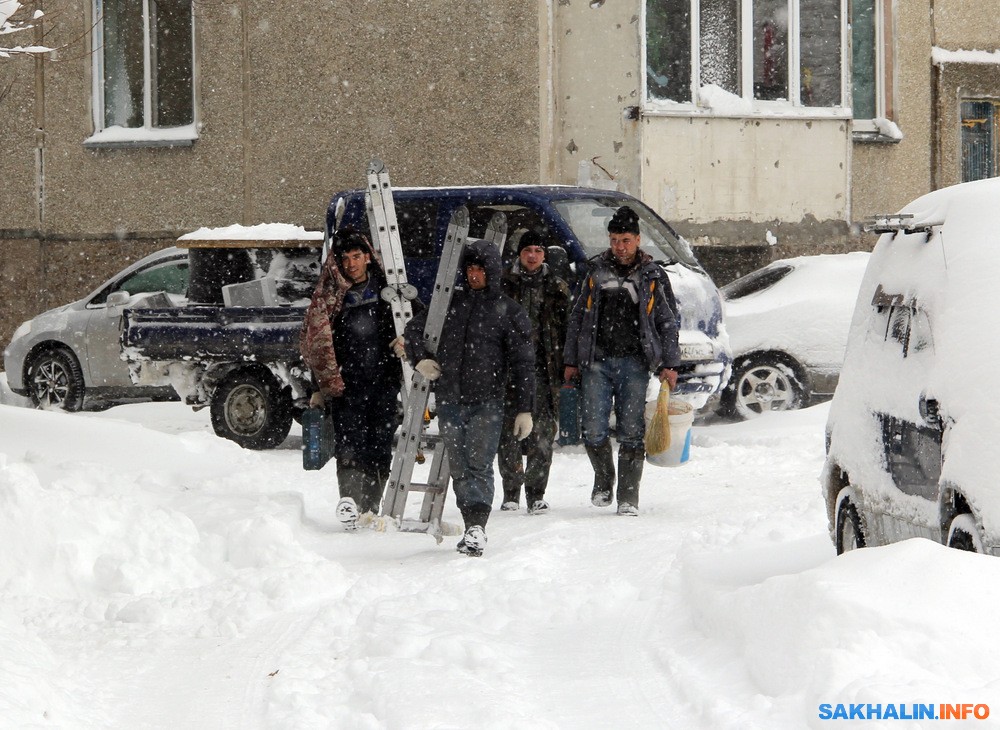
630	462
374	487
602	459
475	515
511	496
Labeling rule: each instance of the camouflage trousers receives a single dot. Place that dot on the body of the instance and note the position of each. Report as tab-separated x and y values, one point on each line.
538	449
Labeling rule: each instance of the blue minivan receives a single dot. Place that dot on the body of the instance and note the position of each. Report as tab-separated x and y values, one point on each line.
573	219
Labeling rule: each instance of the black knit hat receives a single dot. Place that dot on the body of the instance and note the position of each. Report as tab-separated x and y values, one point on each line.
625	220
528	238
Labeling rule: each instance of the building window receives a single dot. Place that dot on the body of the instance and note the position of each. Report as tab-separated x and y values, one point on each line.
144	58
770	53
979	139
871	64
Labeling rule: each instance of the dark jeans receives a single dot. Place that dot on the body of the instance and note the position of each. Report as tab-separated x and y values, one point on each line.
622	380
471	435
365	419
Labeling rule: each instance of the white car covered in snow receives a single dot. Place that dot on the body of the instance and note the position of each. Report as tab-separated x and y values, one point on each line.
787	325
914	424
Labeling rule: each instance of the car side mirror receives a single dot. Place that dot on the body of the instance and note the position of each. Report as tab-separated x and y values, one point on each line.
117	299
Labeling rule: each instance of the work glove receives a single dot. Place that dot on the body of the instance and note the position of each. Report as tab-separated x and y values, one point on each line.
522	426
429	369
317	400
398	346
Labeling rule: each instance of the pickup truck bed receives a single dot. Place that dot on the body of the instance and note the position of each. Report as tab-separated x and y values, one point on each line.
212	334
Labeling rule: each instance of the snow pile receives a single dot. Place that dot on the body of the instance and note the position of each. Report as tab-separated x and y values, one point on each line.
153	575
259	232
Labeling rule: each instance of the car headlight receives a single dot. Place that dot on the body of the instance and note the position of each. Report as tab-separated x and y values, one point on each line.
697	351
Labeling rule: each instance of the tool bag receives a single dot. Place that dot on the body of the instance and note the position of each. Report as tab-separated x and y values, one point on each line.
317	438
570	413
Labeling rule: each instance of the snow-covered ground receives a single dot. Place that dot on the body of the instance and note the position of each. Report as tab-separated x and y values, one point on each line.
153	575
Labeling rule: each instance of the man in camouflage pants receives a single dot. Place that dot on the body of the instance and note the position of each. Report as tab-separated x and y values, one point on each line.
545	297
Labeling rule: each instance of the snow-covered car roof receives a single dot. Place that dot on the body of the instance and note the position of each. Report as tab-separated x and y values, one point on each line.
801	306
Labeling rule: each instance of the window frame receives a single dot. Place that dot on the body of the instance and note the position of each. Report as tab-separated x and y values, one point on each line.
147	135
868	129
994	126
753	107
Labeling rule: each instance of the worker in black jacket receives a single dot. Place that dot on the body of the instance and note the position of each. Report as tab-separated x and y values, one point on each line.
486	339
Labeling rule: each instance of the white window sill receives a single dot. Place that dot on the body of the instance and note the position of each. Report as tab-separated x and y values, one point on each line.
771	111
135	137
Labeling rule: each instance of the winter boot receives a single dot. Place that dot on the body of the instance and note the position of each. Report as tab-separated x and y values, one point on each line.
630	462
473	542
373	486
511	496
602	459
347	513
538	507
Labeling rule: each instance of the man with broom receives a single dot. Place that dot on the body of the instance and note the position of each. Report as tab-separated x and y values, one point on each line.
623	326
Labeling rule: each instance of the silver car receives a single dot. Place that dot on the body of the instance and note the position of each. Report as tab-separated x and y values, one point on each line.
70	357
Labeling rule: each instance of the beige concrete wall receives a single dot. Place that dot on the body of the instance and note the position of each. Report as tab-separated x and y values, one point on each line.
596	78
17	145
966	24
887	176
704	169
442	96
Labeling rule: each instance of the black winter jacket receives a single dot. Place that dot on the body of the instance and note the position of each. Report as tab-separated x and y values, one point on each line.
486	336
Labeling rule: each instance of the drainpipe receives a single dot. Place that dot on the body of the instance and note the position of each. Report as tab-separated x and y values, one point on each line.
245	26
39	59
935	120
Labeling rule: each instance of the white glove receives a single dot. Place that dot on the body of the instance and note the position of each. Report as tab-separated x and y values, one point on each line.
398	346
522	426
429	369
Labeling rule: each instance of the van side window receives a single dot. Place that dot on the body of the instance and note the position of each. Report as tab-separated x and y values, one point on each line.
902	322
417	227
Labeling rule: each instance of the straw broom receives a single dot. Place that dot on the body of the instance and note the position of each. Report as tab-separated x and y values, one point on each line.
658	433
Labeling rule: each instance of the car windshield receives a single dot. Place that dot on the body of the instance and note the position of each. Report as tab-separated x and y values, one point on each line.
588	218
754	282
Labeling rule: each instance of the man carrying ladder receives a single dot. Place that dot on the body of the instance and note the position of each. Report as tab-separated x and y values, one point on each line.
485	347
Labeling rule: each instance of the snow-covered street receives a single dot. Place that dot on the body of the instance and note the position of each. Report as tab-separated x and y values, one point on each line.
154	575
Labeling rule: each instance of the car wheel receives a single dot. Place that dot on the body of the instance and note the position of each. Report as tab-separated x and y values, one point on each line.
850	533
762	384
963	534
251	409
55	380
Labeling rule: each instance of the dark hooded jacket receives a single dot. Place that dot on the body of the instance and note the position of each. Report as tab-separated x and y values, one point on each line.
486	335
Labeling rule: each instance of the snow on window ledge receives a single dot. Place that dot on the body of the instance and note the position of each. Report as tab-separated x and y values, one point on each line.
713	101
125	137
876	131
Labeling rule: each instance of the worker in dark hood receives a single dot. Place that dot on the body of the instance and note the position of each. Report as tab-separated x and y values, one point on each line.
486	340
